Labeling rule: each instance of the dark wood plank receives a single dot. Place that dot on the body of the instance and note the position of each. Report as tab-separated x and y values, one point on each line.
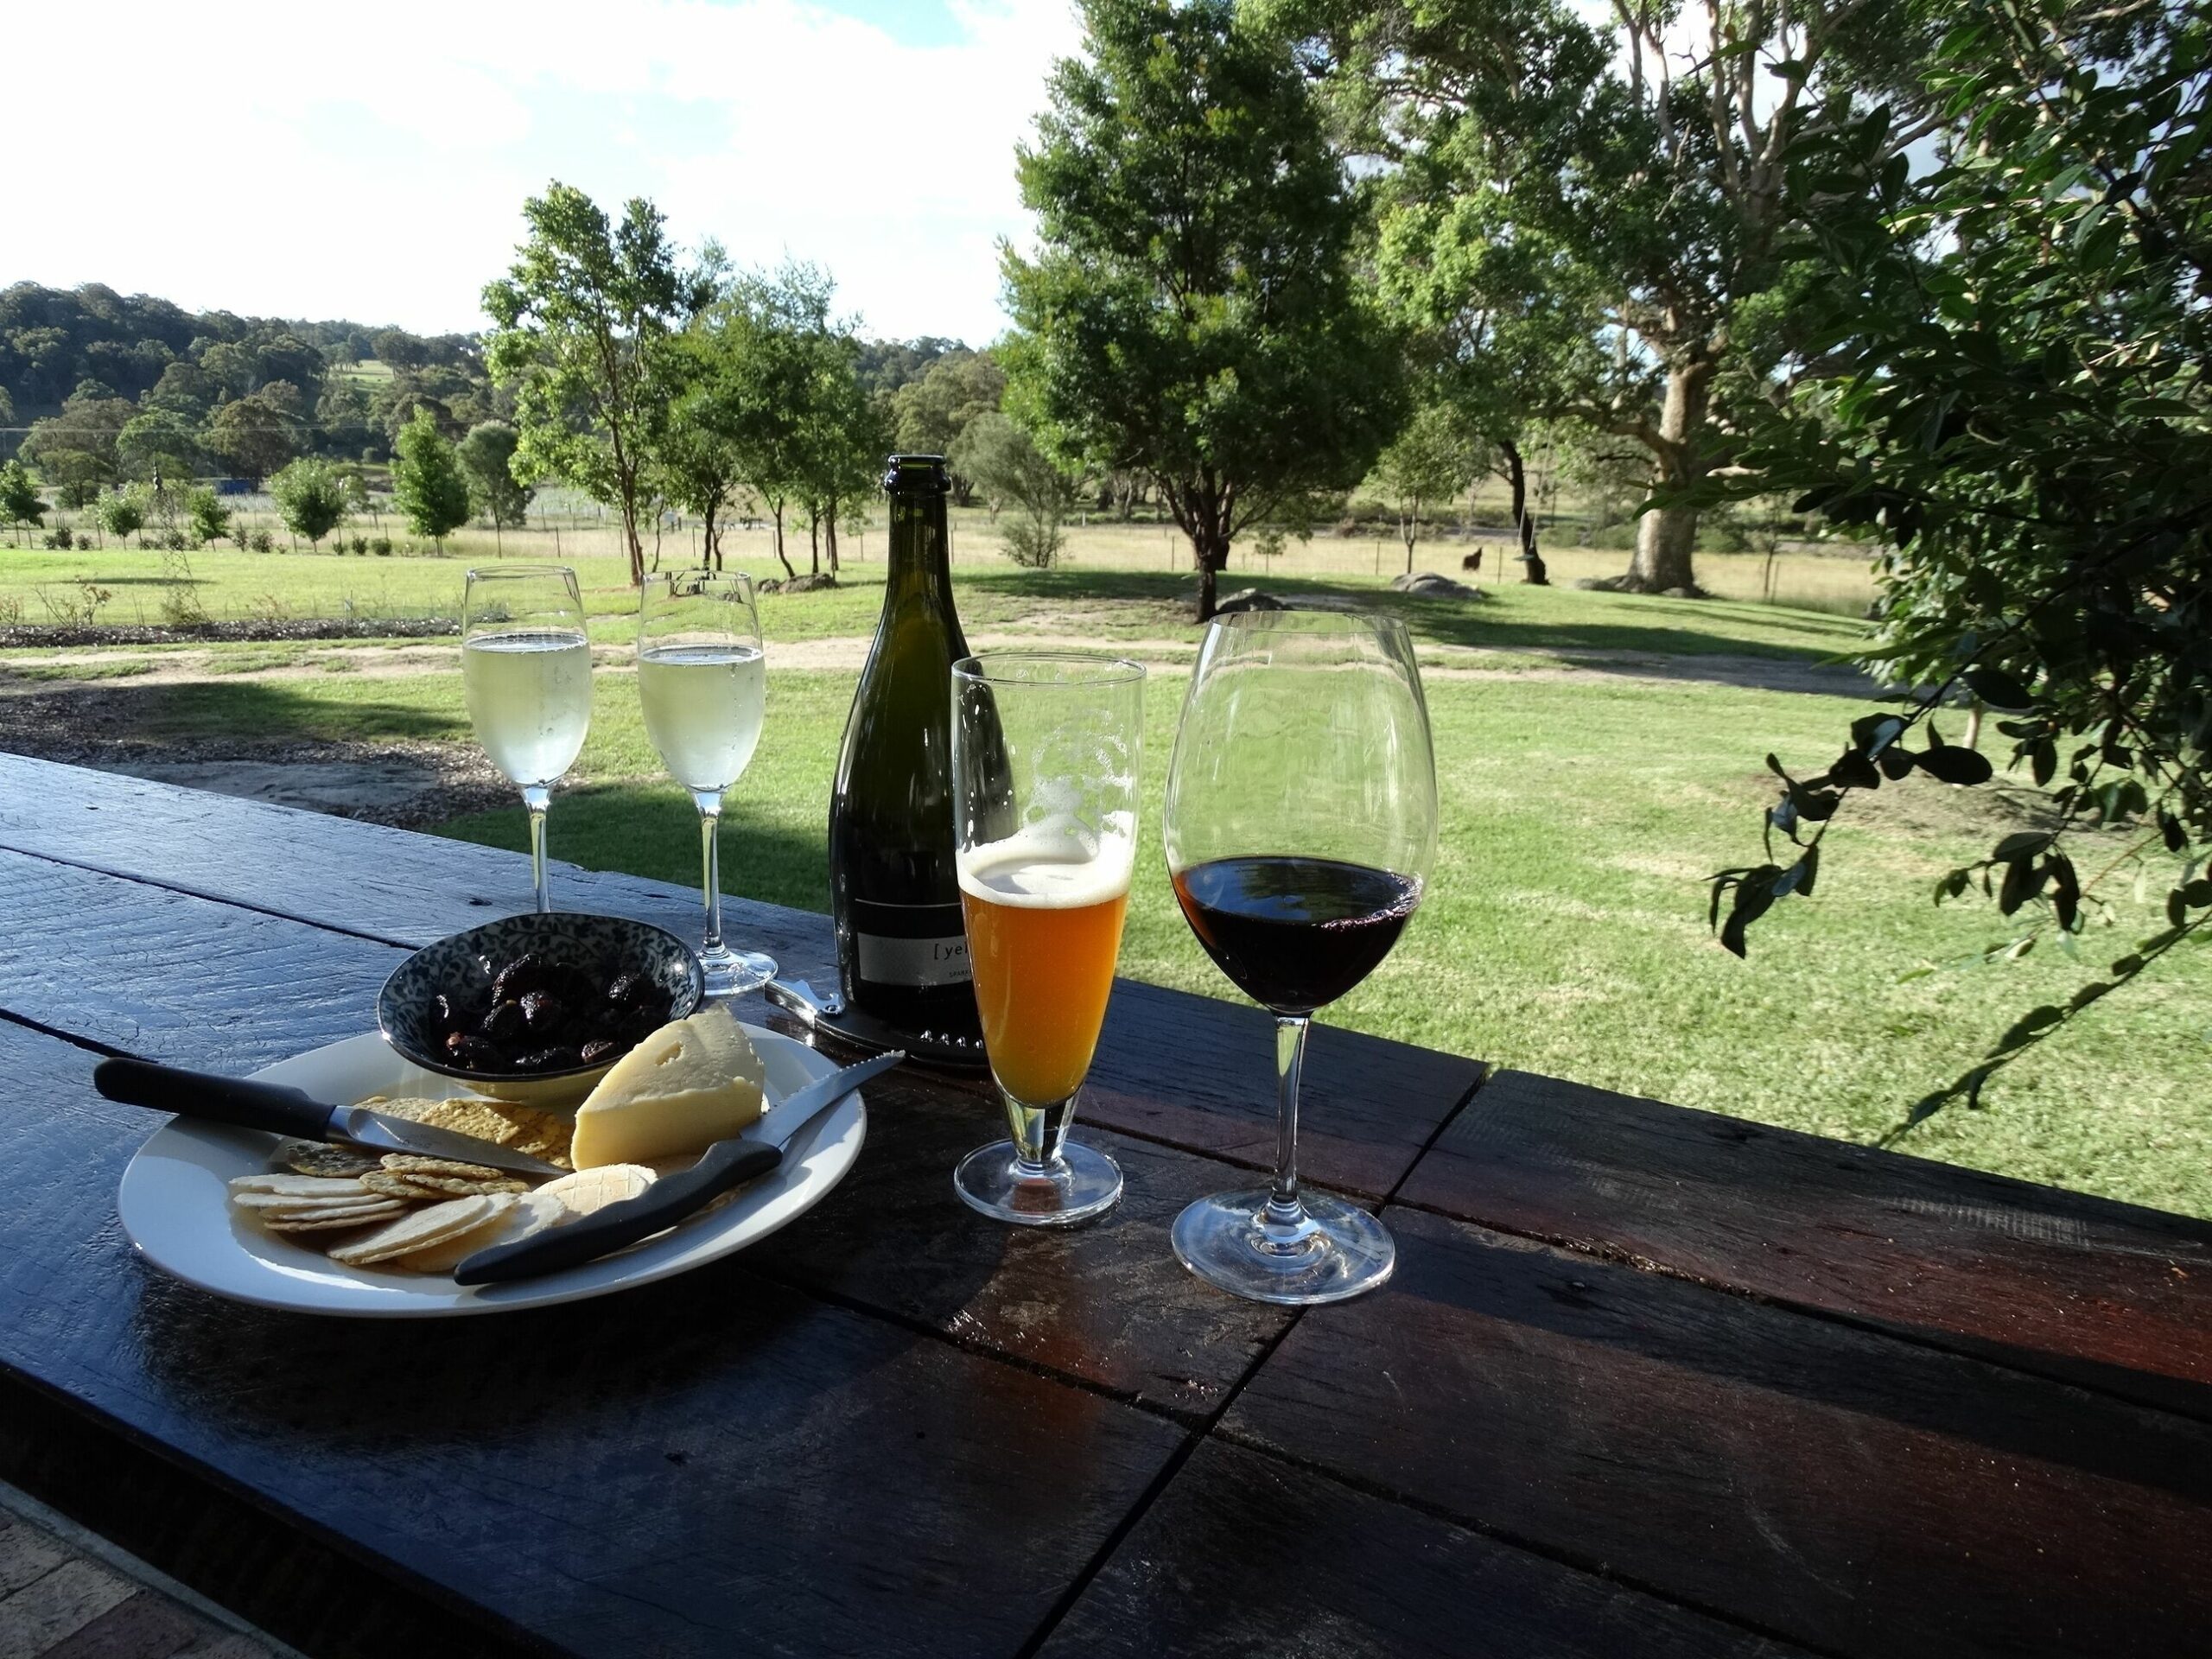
1244	1557
147	1626
1856	1493
364	878
1201	1074
1190	1070
712	1462
1107	1302
2106	1294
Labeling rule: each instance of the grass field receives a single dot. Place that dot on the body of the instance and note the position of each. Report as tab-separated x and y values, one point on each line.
1584	801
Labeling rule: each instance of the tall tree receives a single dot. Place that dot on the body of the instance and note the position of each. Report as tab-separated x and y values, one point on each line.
1647	161
255	435
75	450
487	457
427	482
581	316
842	440
1431	459
1191	312
310	498
158	443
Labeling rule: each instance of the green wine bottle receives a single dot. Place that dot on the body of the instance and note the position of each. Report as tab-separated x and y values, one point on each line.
894	890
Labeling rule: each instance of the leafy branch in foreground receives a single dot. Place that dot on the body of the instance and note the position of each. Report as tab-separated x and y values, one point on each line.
2003	370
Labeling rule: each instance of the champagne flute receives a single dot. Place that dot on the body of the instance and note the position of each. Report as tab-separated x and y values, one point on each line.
526	668
704	685
1046	752
1300	824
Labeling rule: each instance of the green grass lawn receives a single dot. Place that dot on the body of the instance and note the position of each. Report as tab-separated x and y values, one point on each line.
1565	931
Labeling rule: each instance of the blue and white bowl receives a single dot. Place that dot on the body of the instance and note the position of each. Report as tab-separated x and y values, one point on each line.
604	946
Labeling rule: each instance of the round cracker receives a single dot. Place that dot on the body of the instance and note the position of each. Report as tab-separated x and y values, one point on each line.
322	1158
298	1185
443	1257
353	1223
299	1200
396	1187
425	1227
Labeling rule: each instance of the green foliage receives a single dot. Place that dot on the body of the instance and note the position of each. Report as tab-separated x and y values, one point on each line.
122	514
209	518
1431	460
1009	470
257	435
157	444
428	485
75	450
19	499
582	316
1191	311
310	498
929	413
487	457
2005	367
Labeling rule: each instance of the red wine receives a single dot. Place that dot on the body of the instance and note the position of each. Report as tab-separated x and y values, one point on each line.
1295	933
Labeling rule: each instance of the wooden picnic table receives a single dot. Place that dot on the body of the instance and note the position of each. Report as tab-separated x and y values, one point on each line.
1648	1381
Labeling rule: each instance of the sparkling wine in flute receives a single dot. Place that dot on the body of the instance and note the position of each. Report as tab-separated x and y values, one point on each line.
703	705
529	692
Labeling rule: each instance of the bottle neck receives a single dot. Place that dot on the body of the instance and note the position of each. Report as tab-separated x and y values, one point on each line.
920	569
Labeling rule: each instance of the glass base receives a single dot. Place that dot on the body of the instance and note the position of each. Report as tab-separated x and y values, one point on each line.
1083	1183
733	973
1337	1250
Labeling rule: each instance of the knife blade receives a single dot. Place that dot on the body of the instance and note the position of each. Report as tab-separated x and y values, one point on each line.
721	1167
276	1110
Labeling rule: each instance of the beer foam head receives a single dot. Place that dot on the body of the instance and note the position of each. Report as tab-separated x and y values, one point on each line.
1057	863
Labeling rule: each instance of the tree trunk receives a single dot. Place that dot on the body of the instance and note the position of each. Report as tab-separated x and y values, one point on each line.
814	544
1409	528
1665	537
830	535
1517	479
780	557
1210	552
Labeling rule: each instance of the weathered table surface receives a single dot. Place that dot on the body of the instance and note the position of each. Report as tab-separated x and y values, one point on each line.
1648	1380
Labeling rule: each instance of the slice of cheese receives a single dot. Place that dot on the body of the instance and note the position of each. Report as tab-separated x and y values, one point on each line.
689	1084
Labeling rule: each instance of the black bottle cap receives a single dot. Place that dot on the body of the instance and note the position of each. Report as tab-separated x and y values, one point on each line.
917	475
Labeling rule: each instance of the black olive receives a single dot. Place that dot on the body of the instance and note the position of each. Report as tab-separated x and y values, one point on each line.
543	1012
527	972
633	991
445	1017
476	1053
507	1023
556	1059
601	1048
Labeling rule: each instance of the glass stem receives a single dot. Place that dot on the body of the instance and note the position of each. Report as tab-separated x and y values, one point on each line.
710	858
536	798
1284	1210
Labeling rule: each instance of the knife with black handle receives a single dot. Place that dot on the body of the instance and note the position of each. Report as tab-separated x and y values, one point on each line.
725	1165
274	1108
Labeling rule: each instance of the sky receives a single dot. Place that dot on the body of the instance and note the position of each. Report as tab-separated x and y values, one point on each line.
370	161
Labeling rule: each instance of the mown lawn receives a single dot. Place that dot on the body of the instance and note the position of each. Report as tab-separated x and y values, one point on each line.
1565	930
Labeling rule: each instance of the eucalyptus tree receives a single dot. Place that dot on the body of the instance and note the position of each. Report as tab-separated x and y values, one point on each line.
1639	166
1192	311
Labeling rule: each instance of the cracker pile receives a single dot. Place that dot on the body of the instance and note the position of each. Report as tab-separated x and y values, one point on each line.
427	1215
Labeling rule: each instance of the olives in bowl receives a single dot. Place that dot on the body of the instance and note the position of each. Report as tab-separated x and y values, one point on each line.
535	1008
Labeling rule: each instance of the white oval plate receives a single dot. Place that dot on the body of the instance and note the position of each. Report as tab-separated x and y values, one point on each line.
176	1200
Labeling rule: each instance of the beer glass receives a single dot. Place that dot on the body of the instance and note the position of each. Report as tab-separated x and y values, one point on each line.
1046	754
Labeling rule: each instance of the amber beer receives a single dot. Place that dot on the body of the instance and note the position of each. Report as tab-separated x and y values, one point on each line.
1044	916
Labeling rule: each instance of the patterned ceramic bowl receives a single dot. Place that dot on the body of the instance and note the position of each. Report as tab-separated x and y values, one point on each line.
603	946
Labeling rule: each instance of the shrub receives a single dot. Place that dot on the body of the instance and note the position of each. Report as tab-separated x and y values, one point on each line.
1032	543
360	547
11	610
59	537
264	541
381	546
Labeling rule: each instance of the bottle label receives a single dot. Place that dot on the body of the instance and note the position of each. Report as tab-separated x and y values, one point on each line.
917	945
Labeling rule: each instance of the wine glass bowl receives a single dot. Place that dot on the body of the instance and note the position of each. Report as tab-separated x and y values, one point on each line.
1300	828
702	681
525	671
1046	749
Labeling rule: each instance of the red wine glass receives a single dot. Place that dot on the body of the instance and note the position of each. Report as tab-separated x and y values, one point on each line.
1300	825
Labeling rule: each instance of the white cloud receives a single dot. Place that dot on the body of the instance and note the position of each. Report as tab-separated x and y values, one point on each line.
371	161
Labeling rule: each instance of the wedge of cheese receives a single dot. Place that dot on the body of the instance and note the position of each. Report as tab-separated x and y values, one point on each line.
689	1084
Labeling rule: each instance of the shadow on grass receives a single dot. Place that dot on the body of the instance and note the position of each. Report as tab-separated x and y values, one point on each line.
653	829
274	708
1610	622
